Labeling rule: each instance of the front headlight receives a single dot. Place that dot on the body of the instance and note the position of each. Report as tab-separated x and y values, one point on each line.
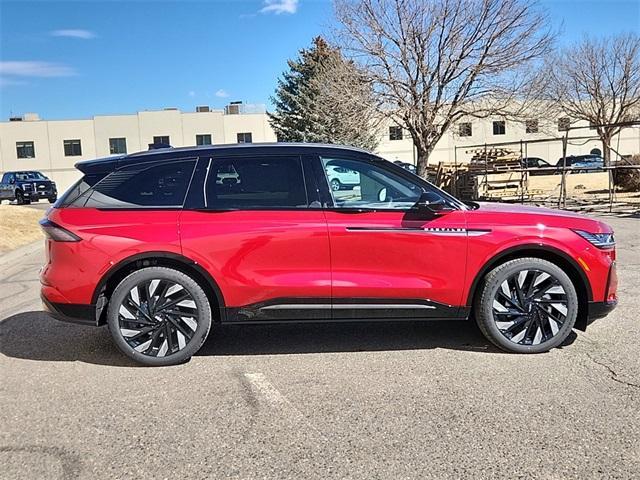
600	240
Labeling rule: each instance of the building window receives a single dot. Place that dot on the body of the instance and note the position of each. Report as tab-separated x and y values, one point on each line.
25	150
204	139
117	145
72	148
161	140
465	129
499	127
395	133
531	126
244	137
563	124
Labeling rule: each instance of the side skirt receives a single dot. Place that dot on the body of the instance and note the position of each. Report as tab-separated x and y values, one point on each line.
302	310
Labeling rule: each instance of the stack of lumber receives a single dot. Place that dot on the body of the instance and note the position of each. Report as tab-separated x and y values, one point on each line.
493	160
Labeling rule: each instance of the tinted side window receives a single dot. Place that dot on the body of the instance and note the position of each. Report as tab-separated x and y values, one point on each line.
156	185
255	183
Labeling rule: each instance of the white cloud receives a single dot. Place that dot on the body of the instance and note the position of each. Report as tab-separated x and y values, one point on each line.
192	93
279	6
74	33
222	93
35	69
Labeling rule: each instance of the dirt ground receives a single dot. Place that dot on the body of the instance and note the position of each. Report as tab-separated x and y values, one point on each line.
18	226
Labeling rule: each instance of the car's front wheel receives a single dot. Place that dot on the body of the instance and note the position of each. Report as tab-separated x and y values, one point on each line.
335	184
526	305
159	316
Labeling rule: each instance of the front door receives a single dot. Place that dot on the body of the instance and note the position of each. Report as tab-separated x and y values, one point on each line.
253	227
387	260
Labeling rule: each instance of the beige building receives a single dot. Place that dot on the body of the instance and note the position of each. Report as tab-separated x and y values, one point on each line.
54	146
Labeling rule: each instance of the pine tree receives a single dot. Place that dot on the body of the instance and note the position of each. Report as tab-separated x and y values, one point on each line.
324	98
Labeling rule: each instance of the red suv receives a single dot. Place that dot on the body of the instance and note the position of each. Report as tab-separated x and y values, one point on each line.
160	245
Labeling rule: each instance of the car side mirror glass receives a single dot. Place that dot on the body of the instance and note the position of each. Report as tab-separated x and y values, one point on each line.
12	181
382	195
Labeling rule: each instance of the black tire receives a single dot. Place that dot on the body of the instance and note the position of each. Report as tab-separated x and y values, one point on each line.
20	198
53	199
539	312
150	329
335	184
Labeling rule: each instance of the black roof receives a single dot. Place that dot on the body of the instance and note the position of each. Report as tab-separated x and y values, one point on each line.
118	161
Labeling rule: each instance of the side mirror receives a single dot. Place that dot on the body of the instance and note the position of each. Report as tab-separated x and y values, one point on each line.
426	204
12	181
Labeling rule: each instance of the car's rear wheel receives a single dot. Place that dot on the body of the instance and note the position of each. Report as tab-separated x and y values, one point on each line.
527	305
159	316
335	184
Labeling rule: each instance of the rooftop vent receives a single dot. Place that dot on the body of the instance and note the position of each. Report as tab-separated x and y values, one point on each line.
234	108
170	108
203	108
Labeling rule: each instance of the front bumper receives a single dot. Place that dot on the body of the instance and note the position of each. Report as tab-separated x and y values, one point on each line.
600	309
70	312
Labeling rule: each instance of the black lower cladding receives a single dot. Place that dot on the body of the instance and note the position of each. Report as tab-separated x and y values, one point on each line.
600	309
71	312
343	309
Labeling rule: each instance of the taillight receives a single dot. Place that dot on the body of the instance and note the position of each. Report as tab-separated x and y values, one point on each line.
57	233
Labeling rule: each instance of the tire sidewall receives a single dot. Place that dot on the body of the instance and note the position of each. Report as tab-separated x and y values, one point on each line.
484	310
161	273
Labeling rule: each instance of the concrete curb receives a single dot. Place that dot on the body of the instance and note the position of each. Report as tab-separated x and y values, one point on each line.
18	253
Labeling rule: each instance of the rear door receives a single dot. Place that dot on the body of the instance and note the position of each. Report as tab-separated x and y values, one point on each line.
387	260
254	222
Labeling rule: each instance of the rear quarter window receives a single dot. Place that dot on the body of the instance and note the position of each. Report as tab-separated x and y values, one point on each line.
161	185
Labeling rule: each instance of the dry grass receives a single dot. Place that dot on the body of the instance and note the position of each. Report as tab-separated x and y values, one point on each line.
18	226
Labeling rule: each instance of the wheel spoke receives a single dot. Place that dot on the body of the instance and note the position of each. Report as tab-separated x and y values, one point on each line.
158	317
529	307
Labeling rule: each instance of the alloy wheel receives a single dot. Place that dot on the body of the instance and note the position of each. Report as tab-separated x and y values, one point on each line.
530	307
158	317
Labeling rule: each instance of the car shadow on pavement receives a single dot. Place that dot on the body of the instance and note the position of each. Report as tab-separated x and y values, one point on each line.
345	337
36	336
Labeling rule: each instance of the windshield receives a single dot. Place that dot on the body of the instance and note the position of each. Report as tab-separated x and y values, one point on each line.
26	176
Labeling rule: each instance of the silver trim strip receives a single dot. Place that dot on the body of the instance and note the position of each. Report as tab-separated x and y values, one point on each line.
440	231
345	306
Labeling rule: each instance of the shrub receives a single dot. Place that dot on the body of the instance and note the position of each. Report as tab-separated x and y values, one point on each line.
628	178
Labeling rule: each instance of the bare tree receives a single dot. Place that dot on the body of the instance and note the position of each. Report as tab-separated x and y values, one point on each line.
599	81
435	62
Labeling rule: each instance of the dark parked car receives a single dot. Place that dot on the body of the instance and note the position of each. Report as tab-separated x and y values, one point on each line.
533	163
26	187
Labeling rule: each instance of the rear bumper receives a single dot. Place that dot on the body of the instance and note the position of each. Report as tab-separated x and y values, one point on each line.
70	312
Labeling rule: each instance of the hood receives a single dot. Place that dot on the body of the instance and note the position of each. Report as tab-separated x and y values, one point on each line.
530	215
516	208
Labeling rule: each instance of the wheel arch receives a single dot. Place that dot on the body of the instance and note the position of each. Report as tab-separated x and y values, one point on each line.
543	252
120	270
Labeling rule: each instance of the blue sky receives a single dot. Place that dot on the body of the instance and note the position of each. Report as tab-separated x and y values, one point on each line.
80	58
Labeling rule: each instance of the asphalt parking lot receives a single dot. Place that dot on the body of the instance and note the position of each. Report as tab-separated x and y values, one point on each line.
403	400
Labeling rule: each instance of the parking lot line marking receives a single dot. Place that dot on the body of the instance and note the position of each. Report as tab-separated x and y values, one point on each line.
273	397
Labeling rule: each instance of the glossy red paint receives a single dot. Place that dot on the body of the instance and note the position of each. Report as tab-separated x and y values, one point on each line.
256	256
74	269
